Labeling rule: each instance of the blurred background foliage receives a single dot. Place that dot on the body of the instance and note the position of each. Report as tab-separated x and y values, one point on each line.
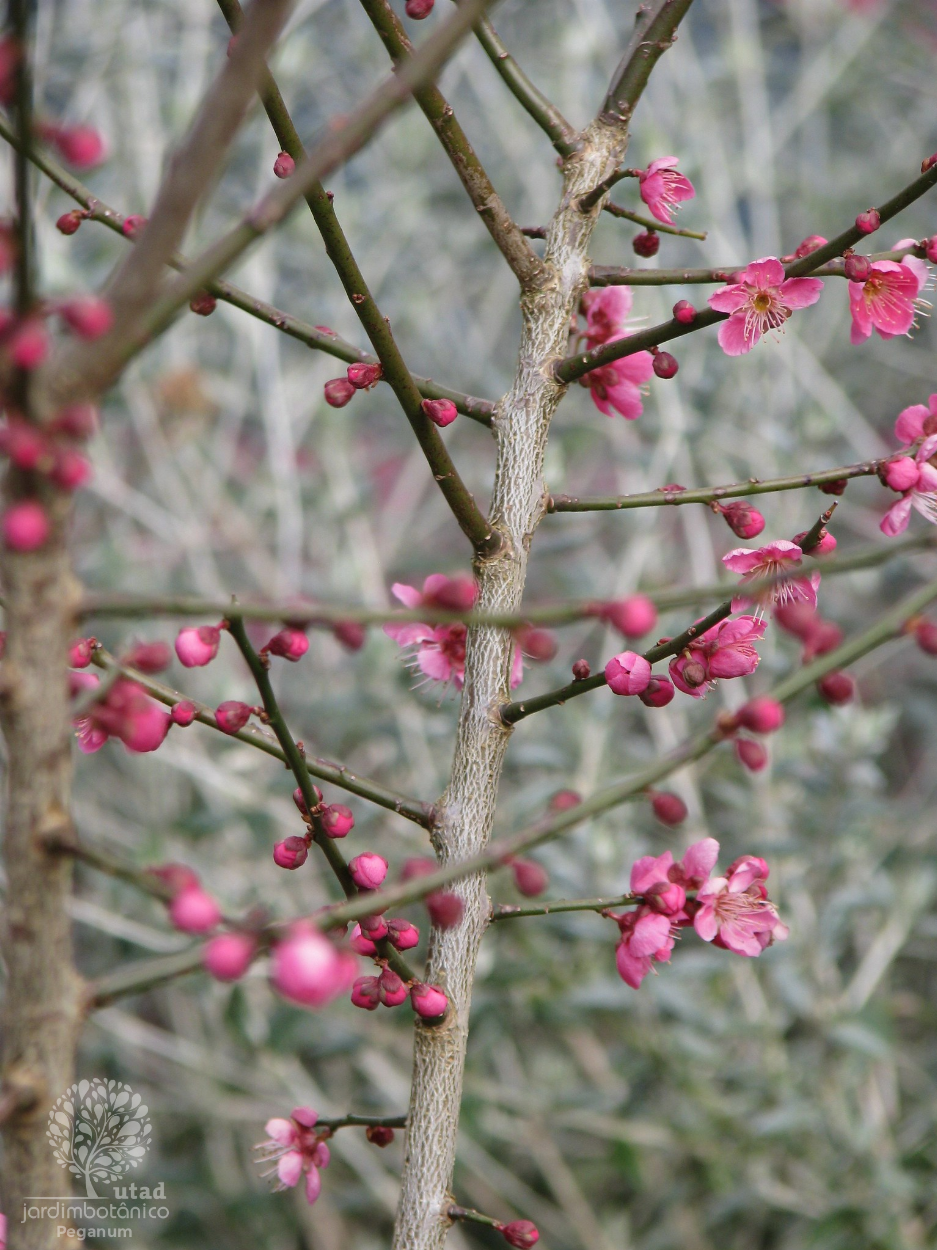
782	1104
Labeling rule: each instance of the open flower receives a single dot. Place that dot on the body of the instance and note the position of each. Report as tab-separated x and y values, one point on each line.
726	650
921	491
125	712
888	299
615	386
662	188
646	938
295	1149
918	421
735	911
771	560
438	651
762	300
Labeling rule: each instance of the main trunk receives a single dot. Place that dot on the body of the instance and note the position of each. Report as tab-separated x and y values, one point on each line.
466	810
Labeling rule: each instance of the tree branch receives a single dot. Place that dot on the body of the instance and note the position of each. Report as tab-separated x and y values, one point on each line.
526	265
650	223
654	32
512	911
615	275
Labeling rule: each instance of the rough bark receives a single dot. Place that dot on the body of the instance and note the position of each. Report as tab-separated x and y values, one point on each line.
467	808
42	1004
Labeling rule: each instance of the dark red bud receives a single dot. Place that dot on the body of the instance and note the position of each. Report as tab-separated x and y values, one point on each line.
538	644
581	670
665	366
204	304
521	1234
857	268
751	754
925	635
836	688
658	692
418	9
68	223
684	312
647	243
379	1135
530	878
338	392
669	809
694	674
742	519
350	634
869	221
834	488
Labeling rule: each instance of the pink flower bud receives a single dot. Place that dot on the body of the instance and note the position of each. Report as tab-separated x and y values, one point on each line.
664	365
925	635
563	800
197	645
658	693
627	673
148	657
88	316
857	268
77	421
203	304
418	9
26	445
823	638
669	808
393	990
290	644
301	802
70	469
684	312
229	955
176	877
742	519
441	412
868	222
665	897
836	688
338	392
308	969
930	248
291	853
364	376
232	715
634	617
762	715
402	934
901	473
928	163
29	344
182	713
379	1135
81	146
284	165
445	909
538	644
144	726
194	911
350	634
808	245
366	993
834	488
79	653
429	1001
751	754
361	944
581	670
417	867
337	820
25	526
530	878
521	1234
647	243
133	225
374	928
368	870
823	547
68	223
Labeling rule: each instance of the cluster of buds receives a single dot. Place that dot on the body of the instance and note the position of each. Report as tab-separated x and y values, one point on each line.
762	715
335	819
818	637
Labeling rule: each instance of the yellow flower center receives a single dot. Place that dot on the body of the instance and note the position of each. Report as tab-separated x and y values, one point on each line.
762	302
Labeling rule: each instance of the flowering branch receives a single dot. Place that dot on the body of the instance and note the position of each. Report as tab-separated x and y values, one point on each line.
574	367
548	117
651	223
336	774
709	494
526	265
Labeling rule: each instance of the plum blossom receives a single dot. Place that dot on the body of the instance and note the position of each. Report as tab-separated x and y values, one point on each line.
771	560
725	650
126	712
762	300
296	1149
615	386
918	421
662	188
888	299
645	939
438	651
920	492
735	911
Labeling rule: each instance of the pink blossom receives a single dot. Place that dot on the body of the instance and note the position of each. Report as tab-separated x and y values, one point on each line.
606	310
429	1001
521	1234
291	853
762	300
402	934
662	188
337	820
735	911
366	993
88	316
726	650
922	495
762	715
617	386
284	165
368	870
627	673
309	969
228	956
363	376
232	715
183	713
295	1149
769	561
194	911
530	878
80	146
393	990
888	299
359	943
445	908
441	412
126	712
197	645
290	644
645	939
634	616
918	421
3	1231
658	693
79	653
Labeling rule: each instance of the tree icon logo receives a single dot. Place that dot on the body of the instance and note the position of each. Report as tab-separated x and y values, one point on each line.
99	1130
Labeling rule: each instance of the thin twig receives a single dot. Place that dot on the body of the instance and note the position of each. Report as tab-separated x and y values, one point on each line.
651	223
654	32
514	911
618	275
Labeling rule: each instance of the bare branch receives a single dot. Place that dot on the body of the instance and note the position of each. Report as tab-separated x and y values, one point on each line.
654	32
